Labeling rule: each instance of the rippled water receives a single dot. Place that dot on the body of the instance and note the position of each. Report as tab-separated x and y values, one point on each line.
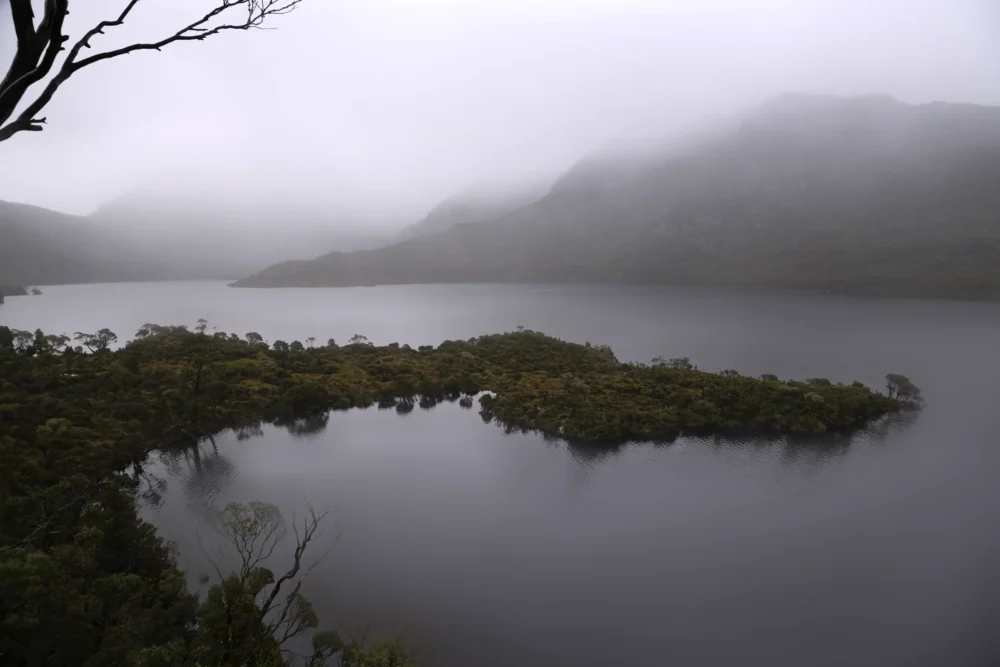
493	549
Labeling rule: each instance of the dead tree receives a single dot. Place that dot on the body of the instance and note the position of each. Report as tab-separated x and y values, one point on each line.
39	46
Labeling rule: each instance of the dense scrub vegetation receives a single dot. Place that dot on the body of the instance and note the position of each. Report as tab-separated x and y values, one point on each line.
76	414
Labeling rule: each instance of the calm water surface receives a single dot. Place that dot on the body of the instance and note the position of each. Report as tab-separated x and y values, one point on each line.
484	548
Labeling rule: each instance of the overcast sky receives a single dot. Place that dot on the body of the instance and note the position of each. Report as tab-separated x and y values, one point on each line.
383	107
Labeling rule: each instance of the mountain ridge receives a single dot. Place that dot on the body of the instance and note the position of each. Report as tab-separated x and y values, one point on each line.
863	195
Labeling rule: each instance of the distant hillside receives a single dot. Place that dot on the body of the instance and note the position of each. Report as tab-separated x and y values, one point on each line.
473	207
138	239
42	247
215	236
862	195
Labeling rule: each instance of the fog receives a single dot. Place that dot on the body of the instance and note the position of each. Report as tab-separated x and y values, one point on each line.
378	109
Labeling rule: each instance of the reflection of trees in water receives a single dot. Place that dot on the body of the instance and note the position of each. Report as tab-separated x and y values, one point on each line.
204	472
248	431
307	426
796	450
891	425
150	487
803	453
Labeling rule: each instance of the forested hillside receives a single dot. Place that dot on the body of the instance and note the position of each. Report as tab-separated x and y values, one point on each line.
861	195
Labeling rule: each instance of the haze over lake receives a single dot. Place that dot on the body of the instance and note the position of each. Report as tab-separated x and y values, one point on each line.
494	549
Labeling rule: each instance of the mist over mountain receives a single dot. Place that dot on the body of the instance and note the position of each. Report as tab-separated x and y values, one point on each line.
472	207
210	236
861	195
42	247
163	236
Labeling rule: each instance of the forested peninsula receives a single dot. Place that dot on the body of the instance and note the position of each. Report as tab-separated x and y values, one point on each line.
93	584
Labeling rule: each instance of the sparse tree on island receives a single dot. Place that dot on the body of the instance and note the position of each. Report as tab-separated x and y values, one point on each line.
33	76
902	389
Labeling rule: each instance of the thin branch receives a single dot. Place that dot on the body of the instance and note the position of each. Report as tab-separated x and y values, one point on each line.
257	12
296	625
310	526
216	565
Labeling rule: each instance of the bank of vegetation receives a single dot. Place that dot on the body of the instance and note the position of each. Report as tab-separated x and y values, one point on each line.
77	414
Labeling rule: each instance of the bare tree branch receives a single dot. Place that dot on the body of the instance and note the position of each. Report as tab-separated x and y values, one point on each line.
310	528
38	49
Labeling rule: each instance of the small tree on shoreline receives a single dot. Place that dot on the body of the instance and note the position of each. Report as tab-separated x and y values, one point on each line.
901	388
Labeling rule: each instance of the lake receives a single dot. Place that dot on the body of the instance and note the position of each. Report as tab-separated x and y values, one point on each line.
493	549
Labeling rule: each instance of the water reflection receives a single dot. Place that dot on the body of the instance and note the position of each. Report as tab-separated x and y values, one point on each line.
150	487
443	518
308	426
204	471
795	449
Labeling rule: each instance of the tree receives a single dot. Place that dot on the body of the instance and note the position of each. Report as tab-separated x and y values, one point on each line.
202	325
679	363
280	346
255	338
250	616
97	342
295	346
41	343
358	339
39	47
902	389
23	342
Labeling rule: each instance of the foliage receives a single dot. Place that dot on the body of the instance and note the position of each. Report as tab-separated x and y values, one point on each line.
386	654
75	556
245	619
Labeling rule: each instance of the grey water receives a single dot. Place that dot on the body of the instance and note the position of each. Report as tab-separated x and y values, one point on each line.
487	548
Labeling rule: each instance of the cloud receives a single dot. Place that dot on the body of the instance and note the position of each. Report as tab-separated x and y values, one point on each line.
390	105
